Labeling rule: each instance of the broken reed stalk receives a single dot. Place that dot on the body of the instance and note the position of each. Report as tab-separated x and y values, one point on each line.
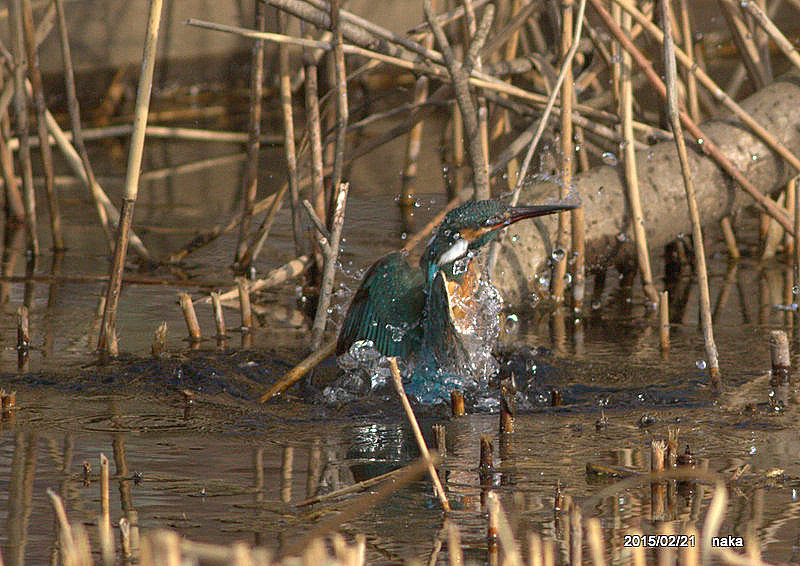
663	312
718	93
697	232
250	177
75	121
190	316
35	75
594	536
244	304
459	73
289	137
783	43
107	343
457	403
300	370
414	142
21	113
159	346
779	354
566	154
508	405
440	438
412	420
330	250
219	317
706	145
486	461
631	173
566	66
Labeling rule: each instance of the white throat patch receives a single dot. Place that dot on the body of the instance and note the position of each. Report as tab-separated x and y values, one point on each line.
454	252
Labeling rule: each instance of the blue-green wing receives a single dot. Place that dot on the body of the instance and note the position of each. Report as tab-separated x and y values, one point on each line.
387	309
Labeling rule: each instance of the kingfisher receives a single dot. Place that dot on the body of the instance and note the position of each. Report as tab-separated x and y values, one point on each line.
431	316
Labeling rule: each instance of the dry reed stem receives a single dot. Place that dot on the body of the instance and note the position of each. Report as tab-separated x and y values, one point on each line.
315	140
342	116
35	75
631	173
331	252
697	232
250	177
708	147
730	238
594	535
244	304
713	521
423	448
300	370
504	532
21	113
219	317
190	317
688	45
159	346
106	342
718	93
289	138
663	311
454	545
566	152
347	490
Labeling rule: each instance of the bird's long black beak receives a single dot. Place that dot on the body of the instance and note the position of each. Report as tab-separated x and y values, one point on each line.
522	212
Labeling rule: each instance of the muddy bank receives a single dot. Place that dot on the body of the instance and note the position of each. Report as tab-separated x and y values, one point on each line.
602	190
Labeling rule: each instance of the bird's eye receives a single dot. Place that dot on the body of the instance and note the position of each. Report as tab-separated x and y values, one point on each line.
457	250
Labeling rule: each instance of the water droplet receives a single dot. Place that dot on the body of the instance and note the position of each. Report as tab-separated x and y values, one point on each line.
567	278
609	159
535	298
622	237
558	255
512	324
650	154
755	157
515	238
796	290
596	305
700	364
753	450
700	141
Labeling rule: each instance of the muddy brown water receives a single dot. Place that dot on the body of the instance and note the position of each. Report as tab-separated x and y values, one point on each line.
227	469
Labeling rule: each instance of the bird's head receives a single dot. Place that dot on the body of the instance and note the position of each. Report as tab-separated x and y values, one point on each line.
471	226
